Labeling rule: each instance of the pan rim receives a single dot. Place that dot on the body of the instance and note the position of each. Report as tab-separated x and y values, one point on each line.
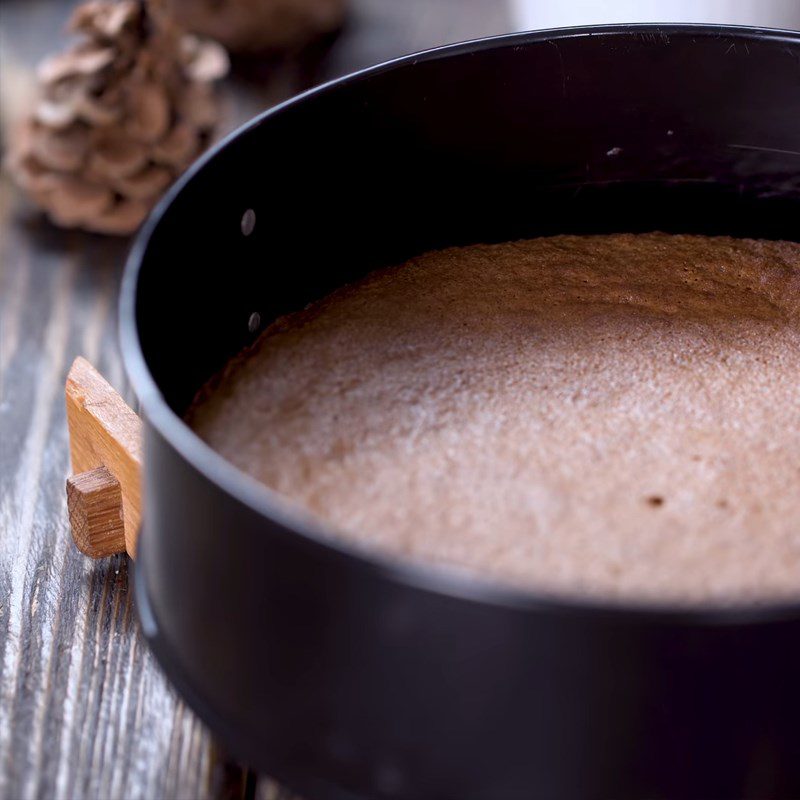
313	533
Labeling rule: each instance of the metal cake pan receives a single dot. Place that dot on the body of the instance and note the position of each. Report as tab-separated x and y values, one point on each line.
349	674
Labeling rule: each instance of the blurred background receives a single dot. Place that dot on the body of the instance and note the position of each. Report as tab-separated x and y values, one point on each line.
555	13
329	37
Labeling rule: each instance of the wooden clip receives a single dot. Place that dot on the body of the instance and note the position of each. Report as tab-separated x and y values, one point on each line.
104	493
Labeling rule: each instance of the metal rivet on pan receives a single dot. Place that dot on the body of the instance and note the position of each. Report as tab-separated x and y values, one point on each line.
248	221
254	323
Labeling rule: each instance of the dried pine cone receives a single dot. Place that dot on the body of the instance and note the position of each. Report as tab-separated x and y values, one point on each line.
257	25
121	115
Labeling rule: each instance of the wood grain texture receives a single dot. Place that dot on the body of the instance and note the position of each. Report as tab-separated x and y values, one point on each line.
94	504
105	432
84	710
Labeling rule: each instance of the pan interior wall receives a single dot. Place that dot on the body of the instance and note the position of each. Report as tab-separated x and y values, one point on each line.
625	131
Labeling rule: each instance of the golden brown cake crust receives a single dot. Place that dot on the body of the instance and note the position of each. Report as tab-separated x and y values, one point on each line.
617	416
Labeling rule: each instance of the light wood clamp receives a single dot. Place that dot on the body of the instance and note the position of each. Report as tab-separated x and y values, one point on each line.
104	492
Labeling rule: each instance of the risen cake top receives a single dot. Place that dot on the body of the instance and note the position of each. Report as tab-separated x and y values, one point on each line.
613	416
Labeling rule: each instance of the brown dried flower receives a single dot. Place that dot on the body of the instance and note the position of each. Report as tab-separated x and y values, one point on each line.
120	115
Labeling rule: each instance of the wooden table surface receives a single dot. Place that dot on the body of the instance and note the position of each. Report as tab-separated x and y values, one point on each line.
84	710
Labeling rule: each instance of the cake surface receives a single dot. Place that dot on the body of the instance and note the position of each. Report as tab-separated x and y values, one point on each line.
612	416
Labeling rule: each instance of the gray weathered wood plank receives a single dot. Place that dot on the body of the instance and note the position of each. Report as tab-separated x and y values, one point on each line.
84	711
